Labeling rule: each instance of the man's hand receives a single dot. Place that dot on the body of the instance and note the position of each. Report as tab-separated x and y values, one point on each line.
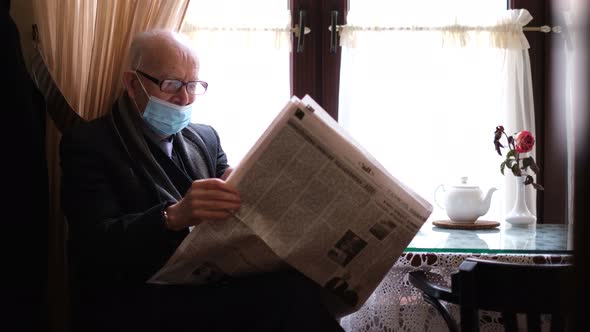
208	199
227	173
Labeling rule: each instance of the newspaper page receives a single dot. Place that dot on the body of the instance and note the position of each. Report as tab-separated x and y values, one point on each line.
312	199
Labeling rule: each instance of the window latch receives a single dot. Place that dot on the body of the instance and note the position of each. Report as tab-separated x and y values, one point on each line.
301	30
333	31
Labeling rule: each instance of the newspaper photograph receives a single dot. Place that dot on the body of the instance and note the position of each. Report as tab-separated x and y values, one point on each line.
312	199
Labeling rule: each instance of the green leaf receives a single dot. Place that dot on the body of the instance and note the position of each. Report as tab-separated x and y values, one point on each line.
538	186
533	165
510	153
526	162
511	161
516	170
528	180
502	167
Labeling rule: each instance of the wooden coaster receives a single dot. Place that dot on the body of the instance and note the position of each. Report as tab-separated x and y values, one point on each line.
478	224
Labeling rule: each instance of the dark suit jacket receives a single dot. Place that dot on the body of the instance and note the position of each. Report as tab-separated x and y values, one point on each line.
114	203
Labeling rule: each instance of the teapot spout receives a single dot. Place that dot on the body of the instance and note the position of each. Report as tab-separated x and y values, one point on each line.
485	204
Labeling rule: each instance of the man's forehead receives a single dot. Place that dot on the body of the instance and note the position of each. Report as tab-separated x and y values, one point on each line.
176	61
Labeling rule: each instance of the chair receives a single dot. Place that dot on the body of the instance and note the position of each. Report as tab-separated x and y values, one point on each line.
508	288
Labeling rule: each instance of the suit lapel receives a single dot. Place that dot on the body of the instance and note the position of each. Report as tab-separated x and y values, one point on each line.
191	148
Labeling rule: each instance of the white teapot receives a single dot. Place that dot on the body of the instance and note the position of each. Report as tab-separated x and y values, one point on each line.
464	203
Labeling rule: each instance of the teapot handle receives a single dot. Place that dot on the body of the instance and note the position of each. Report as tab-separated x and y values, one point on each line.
435	195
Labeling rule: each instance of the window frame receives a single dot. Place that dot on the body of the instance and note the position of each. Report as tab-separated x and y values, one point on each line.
315	71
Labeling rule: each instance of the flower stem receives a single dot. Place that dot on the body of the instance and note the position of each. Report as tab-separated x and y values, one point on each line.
512	147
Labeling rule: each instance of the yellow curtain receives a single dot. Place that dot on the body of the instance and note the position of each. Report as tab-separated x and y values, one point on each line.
84	44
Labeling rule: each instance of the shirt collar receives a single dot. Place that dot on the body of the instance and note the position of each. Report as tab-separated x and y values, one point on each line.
165	143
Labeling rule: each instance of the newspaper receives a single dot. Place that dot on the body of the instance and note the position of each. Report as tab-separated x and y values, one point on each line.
312	199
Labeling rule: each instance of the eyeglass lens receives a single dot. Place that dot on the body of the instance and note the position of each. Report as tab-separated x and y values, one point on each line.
193	87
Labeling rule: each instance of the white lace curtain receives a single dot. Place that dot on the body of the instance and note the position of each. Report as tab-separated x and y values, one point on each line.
424	90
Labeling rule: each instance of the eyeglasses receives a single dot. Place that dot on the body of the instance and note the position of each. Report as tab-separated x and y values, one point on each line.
173	86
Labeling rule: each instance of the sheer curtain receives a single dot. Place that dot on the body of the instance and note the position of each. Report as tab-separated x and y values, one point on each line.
244	49
423	90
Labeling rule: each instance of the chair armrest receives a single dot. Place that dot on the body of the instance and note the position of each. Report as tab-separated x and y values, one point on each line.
433	294
421	281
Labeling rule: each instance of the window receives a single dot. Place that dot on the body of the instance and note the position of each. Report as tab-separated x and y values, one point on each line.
244	49
426	114
427	111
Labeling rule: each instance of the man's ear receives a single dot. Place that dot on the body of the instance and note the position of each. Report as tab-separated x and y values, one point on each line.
128	79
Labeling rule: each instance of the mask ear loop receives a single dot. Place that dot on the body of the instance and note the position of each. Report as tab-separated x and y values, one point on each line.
140	82
142	87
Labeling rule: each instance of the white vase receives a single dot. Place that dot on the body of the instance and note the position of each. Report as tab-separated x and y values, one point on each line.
520	213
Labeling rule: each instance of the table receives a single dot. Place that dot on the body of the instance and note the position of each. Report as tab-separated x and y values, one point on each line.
397	306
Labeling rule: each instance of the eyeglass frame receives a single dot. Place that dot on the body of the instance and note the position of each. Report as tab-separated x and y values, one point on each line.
184	84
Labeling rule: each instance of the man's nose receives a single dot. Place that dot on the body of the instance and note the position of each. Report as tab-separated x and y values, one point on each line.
182	97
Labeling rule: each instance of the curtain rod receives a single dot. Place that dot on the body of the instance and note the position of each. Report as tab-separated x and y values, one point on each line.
543	28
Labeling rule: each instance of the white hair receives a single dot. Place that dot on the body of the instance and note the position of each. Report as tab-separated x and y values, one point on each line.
144	40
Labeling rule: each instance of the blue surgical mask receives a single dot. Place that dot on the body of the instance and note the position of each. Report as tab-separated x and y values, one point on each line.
163	117
166	118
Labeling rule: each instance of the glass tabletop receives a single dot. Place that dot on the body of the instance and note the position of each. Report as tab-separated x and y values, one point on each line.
535	239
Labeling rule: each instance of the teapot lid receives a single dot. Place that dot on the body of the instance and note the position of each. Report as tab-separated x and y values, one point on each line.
464	184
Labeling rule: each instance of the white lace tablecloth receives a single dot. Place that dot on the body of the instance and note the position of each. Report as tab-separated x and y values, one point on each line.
397	306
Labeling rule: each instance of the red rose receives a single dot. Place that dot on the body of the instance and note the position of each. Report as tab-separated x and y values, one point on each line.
513	161
524	141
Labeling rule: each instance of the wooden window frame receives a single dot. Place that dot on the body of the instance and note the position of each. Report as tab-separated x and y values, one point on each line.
316	71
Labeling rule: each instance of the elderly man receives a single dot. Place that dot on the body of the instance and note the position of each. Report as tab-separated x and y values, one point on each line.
134	181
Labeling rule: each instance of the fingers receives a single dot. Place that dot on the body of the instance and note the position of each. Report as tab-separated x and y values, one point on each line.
208	199
227	173
199	203
213	194
191	211
213	184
